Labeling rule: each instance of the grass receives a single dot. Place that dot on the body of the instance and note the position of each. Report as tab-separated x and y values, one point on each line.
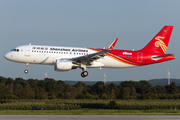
90	112
129	107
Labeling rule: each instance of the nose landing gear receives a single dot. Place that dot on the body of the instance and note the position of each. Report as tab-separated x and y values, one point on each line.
26	70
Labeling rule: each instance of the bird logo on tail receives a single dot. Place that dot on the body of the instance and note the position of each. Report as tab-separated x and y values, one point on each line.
161	43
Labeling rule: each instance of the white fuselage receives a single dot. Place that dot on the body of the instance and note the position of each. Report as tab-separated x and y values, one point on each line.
37	54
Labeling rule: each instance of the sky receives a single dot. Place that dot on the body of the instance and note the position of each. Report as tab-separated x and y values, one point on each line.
88	23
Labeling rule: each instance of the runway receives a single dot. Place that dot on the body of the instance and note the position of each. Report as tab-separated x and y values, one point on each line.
89	117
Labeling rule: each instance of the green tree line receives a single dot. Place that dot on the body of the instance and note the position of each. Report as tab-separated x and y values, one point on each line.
49	88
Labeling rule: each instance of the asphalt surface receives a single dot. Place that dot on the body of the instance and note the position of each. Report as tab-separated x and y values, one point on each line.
89	117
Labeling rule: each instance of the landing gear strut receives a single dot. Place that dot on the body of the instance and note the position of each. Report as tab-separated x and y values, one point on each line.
26	70
84	73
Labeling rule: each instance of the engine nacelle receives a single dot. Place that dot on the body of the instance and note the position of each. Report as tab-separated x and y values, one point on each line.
63	65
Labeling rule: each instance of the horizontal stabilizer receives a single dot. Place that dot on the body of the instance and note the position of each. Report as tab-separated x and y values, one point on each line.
168	56
162	56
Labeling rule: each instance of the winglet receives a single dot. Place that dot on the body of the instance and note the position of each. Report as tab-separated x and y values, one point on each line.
113	44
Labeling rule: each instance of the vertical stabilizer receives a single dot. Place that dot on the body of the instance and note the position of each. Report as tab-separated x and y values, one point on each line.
160	42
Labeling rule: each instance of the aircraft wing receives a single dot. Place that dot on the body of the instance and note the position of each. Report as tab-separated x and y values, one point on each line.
87	59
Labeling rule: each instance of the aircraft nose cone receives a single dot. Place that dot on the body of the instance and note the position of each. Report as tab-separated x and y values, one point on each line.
7	56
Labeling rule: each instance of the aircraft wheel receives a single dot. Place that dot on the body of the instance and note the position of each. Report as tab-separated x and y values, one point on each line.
26	71
84	74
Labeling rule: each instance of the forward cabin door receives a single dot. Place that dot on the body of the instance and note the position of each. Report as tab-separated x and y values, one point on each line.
27	51
139	57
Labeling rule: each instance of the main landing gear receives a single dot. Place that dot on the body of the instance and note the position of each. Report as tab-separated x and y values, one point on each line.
84	74
26	70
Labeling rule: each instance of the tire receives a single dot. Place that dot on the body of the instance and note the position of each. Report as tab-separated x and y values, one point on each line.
26	71
84	74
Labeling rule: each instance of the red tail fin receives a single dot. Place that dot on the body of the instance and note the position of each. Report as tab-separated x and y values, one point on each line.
160	42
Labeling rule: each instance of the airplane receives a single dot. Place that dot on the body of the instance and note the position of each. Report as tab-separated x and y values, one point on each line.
68	58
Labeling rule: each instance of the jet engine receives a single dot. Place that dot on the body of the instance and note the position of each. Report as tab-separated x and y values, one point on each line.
63	65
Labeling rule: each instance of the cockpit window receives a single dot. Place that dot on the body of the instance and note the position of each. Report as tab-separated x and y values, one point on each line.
13	49
16	50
